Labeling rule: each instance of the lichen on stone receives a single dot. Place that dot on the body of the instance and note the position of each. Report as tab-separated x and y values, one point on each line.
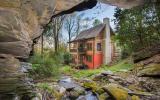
94	87
116	91
150	70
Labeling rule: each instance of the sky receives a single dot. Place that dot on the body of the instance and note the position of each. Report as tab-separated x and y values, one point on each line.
100	11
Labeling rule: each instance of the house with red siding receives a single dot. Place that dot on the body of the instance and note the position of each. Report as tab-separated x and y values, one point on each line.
93	47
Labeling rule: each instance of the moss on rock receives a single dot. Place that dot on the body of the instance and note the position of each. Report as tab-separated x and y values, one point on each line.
135	97
150	70
104	96
116	91
94	86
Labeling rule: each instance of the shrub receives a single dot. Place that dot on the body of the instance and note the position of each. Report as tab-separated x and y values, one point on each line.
46	66
67	58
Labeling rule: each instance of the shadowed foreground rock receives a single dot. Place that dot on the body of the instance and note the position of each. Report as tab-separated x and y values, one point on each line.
13	78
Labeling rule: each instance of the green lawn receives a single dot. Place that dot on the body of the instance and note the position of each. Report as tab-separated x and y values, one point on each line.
124	65
121	66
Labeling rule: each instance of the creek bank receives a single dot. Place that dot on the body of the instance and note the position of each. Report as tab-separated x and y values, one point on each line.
140	83
114	87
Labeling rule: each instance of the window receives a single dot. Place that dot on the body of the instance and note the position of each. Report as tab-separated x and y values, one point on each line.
89	58
73	45
89	46
99	47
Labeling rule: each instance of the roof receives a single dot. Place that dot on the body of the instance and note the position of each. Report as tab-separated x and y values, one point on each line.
90	33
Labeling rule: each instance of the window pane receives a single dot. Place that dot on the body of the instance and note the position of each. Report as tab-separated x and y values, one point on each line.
89	58
99	47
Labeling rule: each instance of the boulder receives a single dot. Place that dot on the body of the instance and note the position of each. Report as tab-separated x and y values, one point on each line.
155	59
13	80
104	96
116	92
152	70
135	97
146	53
93	86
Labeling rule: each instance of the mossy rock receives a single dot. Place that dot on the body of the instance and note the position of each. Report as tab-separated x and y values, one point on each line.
135	88
116	92
104	96
94	87
150	70
57	95
135	97
73	95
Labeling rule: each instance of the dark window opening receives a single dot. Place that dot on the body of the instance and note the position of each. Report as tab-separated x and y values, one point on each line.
99	47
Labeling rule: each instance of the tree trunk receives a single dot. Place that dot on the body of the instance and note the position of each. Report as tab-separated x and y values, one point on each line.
42	46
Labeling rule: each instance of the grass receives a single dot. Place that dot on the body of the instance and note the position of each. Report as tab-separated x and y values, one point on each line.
124	65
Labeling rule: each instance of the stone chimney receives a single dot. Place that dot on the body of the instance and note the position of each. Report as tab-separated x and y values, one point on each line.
107	48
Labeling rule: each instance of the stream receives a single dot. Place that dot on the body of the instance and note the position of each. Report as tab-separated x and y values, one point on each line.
71	85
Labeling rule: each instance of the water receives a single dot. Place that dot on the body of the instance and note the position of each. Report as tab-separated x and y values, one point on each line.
68	83
88	96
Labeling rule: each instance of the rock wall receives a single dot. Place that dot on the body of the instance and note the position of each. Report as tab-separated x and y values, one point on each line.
21	22
14	78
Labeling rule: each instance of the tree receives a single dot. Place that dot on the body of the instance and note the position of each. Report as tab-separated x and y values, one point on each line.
96	22
53	32
137	28
72	25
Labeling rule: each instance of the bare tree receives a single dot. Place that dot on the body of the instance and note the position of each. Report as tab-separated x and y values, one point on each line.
72	26
53	31
57	24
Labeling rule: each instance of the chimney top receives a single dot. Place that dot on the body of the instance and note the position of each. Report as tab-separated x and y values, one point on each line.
106	20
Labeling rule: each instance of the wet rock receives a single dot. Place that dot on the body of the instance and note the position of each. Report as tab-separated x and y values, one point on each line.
93	86
73	89
81	98
70	84
108	72
104	96
91	96
88	96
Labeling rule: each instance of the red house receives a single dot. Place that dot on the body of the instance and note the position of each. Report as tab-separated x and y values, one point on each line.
93	47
